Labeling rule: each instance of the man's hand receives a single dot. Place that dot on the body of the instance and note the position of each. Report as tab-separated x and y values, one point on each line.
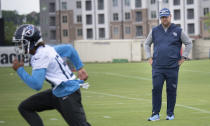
181	61
150	61
17	64
82	74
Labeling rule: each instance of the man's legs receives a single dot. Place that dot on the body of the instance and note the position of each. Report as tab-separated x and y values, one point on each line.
158	81
34	104
171	88
72	110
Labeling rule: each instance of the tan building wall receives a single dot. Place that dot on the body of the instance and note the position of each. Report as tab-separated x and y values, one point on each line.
131	35
78	26
114	25
143	23
69	26
152	23
132	24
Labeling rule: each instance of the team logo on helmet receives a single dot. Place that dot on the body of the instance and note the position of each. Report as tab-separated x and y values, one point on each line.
29	31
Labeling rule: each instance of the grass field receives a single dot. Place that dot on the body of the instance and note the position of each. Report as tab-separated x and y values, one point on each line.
119	95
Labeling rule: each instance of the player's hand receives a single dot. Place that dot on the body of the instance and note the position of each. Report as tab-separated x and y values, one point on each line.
17	64
82	74
181	61
150	61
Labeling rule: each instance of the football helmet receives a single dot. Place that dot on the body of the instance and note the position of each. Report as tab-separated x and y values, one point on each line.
26	37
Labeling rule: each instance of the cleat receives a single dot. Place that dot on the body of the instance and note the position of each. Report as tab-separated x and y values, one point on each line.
170	117
154	117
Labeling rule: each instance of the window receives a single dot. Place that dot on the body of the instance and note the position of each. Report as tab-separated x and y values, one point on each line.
138	16
64	19
79	18
165	1
127	16
115	3
52	7
101	19
177	15
79	4
88	5
52	21
205	11
138	3
53	34
64	6
127	2
127	30
116	31
89	33
88	19
190	14
176	2
115	17
100	4
139	31
101	33
65	33
190	1
153	14
79	32
191	28
152	1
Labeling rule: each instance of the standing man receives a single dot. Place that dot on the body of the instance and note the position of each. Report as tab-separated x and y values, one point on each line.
167	39
48	65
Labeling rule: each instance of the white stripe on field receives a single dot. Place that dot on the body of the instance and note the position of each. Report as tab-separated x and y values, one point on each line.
124	76
142	99
1	122
144	78
197	71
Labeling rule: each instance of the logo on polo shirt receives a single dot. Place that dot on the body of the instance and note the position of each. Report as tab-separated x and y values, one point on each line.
175	34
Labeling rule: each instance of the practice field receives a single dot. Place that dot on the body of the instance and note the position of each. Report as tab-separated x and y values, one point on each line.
119	95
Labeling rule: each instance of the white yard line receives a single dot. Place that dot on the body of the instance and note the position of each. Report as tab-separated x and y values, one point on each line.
196	71
1	121
142	99
123	76
147	100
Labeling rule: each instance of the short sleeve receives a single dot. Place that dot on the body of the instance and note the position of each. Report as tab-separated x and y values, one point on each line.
40	61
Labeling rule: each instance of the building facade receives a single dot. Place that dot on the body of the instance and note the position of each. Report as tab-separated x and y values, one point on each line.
48	20
63	21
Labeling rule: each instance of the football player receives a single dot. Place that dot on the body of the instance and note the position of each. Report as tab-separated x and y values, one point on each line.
47	64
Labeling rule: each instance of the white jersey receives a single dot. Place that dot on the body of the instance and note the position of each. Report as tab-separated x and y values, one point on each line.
56	69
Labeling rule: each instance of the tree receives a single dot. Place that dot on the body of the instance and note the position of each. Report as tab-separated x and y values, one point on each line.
207	21
12	16
9	28
12	19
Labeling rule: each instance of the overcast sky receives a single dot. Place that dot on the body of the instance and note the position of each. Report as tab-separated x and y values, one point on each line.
22	6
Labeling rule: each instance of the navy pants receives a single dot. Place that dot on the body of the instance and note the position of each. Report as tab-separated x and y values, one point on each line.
158	78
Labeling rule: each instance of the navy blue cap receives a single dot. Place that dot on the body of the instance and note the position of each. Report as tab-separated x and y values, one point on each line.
165	12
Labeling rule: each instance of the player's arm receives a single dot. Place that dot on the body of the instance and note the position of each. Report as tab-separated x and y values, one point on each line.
147	47
188	44
34	81
67	50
